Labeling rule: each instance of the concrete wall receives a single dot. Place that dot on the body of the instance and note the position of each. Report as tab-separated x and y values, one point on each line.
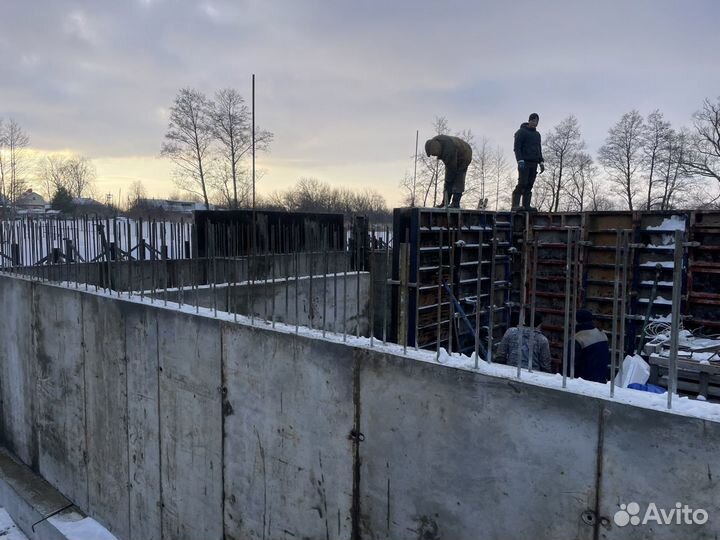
146	275
335	302
168	425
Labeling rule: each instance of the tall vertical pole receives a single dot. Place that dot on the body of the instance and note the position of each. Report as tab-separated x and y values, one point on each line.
417	135
253	143
676	316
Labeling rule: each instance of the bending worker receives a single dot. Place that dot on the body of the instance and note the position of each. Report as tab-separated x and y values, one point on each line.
456	154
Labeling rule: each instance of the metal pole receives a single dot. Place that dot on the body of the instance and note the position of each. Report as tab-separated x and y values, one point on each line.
676	315
574	299
491	301
478	288
616	294
568	270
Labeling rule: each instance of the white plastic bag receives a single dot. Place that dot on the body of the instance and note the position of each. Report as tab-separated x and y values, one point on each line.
634	370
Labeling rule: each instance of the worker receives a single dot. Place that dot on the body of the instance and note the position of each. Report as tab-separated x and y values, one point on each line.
509	350
456	154
592	350
528	153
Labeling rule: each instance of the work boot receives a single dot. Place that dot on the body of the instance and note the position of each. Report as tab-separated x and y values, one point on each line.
527	197
515	200
455	201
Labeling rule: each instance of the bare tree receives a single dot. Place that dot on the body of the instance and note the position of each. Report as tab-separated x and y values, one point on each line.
622	154
231	126
75	174
582	174
561	147
480	171
703	157
15	163
52	174
598	199
656	146
429	169
502	178
136	194
79	175
188	142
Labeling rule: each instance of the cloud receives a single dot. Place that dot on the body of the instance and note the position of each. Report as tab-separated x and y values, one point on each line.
344	85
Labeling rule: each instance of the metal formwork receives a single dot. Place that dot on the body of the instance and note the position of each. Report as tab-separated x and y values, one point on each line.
443	262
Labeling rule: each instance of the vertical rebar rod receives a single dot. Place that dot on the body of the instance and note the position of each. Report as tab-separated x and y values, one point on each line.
676	315
574	298
371	302
623	300
361	249
386	286
272	270
567	321
439	292
345	286
452	237
325	284
533	294
478	288
523	300
491	301
616	294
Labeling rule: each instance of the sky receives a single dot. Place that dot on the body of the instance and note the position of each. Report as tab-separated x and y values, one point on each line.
344	85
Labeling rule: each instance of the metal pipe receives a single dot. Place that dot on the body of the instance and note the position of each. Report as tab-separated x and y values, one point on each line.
614	346
567	320
676	315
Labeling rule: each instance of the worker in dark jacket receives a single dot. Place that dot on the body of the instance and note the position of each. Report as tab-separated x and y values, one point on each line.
528	153
592	351
456	154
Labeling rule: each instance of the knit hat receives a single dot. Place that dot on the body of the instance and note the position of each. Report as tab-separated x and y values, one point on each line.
533	116
583	316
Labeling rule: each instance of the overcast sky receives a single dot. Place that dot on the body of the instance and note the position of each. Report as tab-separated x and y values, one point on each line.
345	84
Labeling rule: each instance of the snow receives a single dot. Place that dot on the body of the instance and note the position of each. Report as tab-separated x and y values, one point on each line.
660	283
8	529
681	405
80	529
664	264
658	300
673	223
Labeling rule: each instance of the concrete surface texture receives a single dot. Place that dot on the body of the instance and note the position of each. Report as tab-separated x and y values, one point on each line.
336	302
163	424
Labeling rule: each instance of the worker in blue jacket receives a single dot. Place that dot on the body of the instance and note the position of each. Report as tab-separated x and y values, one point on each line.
592	350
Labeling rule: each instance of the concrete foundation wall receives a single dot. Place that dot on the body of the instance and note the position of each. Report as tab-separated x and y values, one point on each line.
170	425
339	303
147	274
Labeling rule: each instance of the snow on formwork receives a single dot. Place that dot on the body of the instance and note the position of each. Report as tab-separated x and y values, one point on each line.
8	529
672	223
680	405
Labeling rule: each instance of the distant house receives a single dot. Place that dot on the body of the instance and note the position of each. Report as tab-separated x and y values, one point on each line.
31	202
88	205
166	205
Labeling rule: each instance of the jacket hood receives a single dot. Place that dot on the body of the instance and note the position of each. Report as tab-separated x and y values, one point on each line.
525	125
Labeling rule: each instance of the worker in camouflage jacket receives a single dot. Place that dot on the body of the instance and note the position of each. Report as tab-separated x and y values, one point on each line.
456	154
518	342
528	153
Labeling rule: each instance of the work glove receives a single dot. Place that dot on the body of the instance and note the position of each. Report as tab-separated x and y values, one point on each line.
542	167
521	164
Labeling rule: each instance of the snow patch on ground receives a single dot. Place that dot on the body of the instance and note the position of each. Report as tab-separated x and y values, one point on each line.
8	529
81	529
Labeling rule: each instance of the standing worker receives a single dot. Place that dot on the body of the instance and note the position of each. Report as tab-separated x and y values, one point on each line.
528	153
456	154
